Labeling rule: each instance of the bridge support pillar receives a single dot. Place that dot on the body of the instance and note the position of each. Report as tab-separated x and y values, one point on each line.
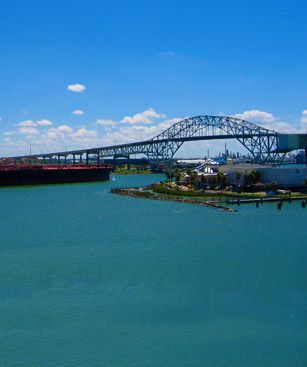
74	159
98	158
80	159
306	156
86	155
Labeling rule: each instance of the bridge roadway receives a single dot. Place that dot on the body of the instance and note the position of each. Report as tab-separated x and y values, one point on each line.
266	146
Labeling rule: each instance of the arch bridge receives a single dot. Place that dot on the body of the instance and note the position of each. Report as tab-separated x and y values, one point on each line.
265	146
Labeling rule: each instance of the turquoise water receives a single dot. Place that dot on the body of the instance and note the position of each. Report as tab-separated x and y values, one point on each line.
93	279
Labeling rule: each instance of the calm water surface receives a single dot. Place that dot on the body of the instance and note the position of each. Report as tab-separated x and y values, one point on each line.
93	279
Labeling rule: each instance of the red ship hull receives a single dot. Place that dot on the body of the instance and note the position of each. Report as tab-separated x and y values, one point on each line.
12	175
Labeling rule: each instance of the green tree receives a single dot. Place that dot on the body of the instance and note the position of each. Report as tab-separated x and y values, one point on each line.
177	175
213	181
251	178
246	179
192	176
169	173
220	178
204	181
257	176
271	186
274	186
188	172
238	176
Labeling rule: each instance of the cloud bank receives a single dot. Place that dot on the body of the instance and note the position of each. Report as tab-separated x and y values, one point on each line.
145	117
266	120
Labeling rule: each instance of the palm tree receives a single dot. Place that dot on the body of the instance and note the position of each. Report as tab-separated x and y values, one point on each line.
189	173
194	177
238	176
221	179
257	176
169	174
177	175
274	186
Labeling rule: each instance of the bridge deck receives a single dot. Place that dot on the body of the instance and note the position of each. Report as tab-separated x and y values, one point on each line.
263	144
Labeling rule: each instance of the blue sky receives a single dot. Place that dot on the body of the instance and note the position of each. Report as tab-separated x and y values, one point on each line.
145	64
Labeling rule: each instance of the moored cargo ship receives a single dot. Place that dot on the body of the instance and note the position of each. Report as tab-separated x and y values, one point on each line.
36	174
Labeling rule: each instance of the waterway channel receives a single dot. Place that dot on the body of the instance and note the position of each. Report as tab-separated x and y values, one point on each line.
88	278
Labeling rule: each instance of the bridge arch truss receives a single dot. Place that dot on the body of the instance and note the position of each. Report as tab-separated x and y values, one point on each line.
261	143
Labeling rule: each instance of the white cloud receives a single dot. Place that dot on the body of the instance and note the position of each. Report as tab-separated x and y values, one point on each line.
66	134
280	127
143	117
76	88
106	122
28	130
50	139
304	117
266	120
128	134
26	123
64	129
44	122
9	133
167	123
51	134
78	112
58	133
256	115
84	133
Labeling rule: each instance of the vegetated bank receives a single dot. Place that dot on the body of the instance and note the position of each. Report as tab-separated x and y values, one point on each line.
148	192
213	189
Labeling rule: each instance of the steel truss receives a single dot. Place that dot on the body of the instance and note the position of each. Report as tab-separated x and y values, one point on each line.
260	142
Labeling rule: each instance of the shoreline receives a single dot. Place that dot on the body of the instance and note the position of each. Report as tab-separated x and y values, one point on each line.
223	201
139	192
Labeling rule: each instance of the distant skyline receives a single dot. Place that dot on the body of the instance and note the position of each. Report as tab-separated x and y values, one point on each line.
77	74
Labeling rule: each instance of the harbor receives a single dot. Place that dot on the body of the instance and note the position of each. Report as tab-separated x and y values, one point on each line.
153	183
122	265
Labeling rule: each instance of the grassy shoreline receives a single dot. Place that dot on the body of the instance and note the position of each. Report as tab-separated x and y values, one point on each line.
218	199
